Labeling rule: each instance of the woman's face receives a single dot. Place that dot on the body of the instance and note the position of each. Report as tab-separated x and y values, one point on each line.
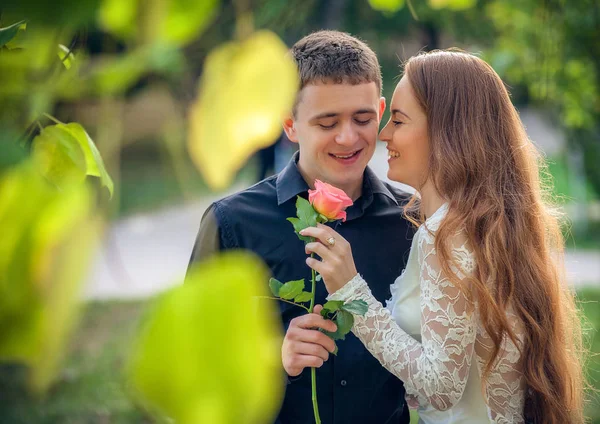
406	137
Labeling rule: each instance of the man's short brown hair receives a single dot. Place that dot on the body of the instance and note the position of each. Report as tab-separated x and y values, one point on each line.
335	57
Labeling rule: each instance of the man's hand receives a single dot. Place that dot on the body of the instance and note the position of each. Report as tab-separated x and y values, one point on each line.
305	346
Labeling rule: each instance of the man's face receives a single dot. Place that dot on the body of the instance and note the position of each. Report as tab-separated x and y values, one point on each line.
336	128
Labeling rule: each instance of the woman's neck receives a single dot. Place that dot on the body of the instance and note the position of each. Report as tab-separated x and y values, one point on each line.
431	200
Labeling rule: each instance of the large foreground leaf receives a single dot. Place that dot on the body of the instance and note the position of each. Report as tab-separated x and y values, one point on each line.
209	352
244	92
47	239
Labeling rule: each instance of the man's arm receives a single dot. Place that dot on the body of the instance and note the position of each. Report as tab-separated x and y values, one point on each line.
208	240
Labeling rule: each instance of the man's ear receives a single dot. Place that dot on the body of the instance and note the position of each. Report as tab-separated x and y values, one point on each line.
381	108
290	128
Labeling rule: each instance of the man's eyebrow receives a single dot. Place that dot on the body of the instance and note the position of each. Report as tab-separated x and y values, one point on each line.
394	111
367	110
324	115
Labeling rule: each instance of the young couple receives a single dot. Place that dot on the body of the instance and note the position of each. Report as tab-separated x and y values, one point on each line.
479	327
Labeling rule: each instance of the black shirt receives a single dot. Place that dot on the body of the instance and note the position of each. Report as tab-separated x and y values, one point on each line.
352	387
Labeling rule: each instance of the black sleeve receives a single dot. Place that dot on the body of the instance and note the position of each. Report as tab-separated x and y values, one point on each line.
208	240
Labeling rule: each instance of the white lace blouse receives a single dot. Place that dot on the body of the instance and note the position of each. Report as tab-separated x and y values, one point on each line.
429	334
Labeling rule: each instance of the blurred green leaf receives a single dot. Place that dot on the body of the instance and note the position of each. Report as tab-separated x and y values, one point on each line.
186	20
94	163
452	4
66	153
59	155
118	17
387	5
195	364
246	87
291	289
115	75
174	22
66	56
9	32
275	285
57	13
47	242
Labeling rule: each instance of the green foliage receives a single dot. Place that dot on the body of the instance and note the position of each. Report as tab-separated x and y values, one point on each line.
9	32
291	289
48	237
343	315
387	5
307	217
303	297
198	359
275	285
182	21
65	153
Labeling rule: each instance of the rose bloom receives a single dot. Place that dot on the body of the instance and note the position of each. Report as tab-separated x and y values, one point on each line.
329	201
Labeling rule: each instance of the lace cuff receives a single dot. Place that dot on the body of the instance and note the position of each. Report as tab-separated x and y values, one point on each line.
350	291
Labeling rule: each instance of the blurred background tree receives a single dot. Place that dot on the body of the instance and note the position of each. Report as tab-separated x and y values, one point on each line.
131	81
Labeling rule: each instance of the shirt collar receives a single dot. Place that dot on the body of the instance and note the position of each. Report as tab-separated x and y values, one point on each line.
290	183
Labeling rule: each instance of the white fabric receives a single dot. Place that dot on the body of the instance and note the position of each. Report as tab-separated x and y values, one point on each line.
429	334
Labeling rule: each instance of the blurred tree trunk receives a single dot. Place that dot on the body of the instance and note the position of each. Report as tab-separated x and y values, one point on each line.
431	36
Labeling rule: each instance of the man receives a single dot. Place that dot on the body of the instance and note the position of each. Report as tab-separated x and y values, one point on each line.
335	123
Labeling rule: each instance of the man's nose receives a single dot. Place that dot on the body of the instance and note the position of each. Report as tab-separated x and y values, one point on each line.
348	135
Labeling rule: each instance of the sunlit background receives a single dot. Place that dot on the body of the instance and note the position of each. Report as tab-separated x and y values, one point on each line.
122	120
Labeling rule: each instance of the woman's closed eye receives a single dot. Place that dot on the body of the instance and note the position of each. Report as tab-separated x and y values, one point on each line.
397	123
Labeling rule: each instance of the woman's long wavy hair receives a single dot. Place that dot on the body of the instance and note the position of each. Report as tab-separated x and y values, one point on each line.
484	164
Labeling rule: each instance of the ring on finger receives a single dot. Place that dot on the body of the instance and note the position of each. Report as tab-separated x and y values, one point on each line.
331	241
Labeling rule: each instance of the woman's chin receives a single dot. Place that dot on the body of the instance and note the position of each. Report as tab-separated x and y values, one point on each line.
395	176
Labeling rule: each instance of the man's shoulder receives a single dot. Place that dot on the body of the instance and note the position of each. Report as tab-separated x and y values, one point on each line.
263	193
401	196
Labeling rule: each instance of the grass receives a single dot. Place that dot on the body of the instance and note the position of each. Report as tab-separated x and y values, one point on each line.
91	388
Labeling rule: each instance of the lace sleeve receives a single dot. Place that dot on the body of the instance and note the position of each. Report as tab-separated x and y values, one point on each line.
436	370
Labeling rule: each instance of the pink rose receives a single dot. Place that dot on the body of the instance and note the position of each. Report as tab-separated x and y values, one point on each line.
329	201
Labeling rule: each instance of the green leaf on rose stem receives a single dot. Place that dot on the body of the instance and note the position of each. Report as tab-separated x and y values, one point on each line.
335	352
356	307
322	219
333	305
303	297
291	289
344	322
8	33
275	285
306	212
333	336
299	225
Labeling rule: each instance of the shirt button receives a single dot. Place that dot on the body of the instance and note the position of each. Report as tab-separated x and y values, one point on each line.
343	382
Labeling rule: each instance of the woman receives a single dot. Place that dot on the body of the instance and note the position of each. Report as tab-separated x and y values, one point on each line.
480	327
